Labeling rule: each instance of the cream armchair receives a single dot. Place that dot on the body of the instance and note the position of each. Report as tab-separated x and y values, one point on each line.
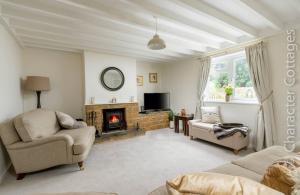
35	141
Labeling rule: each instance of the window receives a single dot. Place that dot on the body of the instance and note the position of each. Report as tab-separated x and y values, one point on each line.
230	70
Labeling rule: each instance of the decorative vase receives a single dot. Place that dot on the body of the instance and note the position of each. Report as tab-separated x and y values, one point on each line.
183	112
227	98
171	124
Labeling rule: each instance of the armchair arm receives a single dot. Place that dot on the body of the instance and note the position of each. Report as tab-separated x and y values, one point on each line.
41	153
23	145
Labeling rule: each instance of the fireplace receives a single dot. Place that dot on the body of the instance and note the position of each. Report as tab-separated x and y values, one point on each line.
114	119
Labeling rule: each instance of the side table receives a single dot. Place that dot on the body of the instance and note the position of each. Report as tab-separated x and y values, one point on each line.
185	124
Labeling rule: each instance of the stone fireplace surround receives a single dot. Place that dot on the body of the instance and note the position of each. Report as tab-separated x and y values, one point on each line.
151	121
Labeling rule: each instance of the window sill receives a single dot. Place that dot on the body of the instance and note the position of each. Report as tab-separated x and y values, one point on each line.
232	102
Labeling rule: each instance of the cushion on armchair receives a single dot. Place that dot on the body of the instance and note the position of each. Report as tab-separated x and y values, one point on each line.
68	122
36	124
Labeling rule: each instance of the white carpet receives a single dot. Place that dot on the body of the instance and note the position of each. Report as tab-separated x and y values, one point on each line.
128	167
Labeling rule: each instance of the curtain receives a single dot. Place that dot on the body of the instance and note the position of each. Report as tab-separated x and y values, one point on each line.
265	133
202	81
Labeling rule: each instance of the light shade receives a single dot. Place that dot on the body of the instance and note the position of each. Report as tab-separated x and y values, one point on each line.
156	43
37	83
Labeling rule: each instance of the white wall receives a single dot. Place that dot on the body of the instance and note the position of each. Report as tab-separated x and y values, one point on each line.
143	69
95	63
10	85
65	70
181	79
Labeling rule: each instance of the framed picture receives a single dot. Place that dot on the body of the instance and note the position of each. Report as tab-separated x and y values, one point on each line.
140	80
153	77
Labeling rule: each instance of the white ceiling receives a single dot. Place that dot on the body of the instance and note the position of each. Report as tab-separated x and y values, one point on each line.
124	27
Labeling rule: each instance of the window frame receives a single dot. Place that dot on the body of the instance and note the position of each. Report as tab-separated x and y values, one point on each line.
232	79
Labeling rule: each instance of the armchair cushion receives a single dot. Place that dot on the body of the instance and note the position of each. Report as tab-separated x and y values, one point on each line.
39	123
81	137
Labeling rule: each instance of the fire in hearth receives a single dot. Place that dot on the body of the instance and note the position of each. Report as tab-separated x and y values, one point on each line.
114	118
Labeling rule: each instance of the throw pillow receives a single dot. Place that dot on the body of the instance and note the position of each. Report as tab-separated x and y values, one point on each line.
216	184
284	175
65	120
210	115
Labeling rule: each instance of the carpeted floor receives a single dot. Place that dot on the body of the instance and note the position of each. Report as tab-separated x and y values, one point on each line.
129	167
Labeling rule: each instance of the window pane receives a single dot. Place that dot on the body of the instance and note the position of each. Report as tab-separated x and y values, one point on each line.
230	70
243	88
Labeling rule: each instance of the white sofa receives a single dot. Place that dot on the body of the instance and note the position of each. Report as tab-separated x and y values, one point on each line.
204	131
252	166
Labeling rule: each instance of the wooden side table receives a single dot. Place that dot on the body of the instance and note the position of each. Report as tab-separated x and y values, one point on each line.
185	125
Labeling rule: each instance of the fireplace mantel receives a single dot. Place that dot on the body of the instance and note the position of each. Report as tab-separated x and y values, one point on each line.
151	121
121	103
131	113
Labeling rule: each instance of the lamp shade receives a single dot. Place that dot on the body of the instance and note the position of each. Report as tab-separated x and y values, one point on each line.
156	43
37	83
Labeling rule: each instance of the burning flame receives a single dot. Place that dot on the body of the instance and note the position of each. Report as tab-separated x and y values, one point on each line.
114	119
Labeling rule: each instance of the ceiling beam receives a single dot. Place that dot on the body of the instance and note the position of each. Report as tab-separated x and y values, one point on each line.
99	41
263	12
83	17
214	14
45	46
26	44
72	45
126	11
60	48
120	39
25	22
155	8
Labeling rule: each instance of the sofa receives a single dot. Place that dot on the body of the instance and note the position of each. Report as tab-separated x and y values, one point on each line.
252	166
204	131
35	141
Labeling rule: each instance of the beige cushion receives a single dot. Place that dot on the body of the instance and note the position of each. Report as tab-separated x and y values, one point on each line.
81	138
210	115
77	193
216	184
65	120
231	169
260	161
36	124
201	125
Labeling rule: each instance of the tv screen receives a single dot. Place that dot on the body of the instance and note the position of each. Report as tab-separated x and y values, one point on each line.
156	101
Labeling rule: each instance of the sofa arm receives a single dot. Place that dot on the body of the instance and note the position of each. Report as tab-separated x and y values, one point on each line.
297	148
191	122
23	145
41	153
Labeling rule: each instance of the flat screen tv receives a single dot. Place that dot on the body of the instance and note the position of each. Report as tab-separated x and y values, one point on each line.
156	101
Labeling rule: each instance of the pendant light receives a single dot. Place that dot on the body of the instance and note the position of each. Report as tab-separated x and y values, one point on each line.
156	43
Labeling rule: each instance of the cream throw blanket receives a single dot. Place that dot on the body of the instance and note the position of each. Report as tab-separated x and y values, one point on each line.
216	184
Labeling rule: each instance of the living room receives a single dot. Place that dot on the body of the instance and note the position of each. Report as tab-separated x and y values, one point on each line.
157	92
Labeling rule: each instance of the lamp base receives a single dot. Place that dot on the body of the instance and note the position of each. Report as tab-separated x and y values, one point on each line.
38	94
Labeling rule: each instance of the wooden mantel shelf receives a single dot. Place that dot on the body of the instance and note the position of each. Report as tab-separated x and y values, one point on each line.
97	104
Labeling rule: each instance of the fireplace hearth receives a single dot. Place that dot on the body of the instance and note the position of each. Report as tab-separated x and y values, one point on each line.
114	119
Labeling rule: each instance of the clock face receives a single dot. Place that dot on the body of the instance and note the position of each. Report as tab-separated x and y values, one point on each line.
112	78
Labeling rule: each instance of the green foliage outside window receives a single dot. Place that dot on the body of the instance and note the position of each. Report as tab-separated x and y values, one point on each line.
221	80
242	77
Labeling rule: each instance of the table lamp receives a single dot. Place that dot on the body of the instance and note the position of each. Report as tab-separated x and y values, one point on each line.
37	84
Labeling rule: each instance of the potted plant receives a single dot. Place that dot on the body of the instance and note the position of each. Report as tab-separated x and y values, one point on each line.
228	91
171	119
